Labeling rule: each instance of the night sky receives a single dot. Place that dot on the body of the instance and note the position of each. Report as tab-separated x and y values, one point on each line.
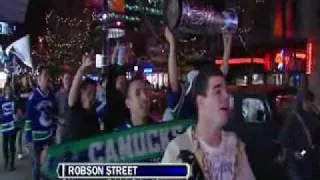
35	16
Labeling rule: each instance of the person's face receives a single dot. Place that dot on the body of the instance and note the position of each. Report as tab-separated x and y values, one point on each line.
24	81
66	81
138	100
215	105
121	83
7	91
88	94
43	80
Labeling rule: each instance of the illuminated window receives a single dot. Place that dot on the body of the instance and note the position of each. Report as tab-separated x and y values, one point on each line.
253	110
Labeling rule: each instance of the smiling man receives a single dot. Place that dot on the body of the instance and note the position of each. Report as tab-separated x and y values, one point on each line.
213	153
138	103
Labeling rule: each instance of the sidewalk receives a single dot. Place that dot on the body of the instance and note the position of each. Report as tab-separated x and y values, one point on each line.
23	168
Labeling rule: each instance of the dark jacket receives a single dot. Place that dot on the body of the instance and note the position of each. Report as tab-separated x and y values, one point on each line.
294	139
116	111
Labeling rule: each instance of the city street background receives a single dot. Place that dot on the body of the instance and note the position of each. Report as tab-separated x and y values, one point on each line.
23	168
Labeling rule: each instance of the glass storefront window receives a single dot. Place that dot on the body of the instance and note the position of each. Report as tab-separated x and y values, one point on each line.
253	110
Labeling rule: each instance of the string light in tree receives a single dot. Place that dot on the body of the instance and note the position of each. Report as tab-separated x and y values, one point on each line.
66	37
147	10
115	16
151	7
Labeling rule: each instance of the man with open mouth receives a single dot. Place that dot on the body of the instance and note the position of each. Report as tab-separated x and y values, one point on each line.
214	154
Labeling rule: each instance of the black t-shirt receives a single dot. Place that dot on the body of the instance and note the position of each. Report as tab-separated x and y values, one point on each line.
80	123
116	111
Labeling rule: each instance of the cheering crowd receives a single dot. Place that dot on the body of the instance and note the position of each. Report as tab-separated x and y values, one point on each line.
35	111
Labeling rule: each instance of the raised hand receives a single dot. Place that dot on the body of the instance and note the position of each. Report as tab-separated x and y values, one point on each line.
86	61
227	40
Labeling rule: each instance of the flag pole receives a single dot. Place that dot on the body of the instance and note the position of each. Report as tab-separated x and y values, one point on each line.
12	69
106	34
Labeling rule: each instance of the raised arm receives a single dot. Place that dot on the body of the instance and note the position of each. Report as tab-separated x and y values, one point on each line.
75	87
172	63
114	54
227	42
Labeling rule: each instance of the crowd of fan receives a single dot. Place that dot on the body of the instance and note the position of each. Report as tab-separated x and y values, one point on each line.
83	108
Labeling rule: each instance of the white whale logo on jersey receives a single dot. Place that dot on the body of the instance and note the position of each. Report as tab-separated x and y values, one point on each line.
44	119
8	108
44	107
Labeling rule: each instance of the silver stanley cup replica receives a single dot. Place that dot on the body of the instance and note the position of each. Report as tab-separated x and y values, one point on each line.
184	16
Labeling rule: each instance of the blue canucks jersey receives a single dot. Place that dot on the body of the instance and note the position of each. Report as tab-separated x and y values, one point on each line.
7	121
40	116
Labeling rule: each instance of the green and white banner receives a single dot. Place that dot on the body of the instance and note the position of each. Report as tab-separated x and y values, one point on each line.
140	144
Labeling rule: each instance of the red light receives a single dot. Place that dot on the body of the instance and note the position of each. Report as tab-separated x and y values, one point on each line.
289	19
278	28
267	62
118	23
242	61
301	55
309	58
298	55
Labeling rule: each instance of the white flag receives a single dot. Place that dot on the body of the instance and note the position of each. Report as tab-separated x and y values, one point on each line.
21	48
121	55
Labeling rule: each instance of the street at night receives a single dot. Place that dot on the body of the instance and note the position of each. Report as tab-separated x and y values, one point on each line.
160	89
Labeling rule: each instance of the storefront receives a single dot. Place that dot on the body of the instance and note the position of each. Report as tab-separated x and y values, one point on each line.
156	75
242	71
290	66
281	66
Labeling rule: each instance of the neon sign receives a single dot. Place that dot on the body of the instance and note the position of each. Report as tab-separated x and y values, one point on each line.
298	55
147	70
242	61
309	58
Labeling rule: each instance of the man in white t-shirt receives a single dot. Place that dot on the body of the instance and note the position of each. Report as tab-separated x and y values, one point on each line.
214	154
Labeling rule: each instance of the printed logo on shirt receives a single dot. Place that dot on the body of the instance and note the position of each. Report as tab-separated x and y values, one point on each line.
8	108
220	167
44	108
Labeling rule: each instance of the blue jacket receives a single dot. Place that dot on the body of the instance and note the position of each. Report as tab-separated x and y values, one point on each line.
40	116
7	121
